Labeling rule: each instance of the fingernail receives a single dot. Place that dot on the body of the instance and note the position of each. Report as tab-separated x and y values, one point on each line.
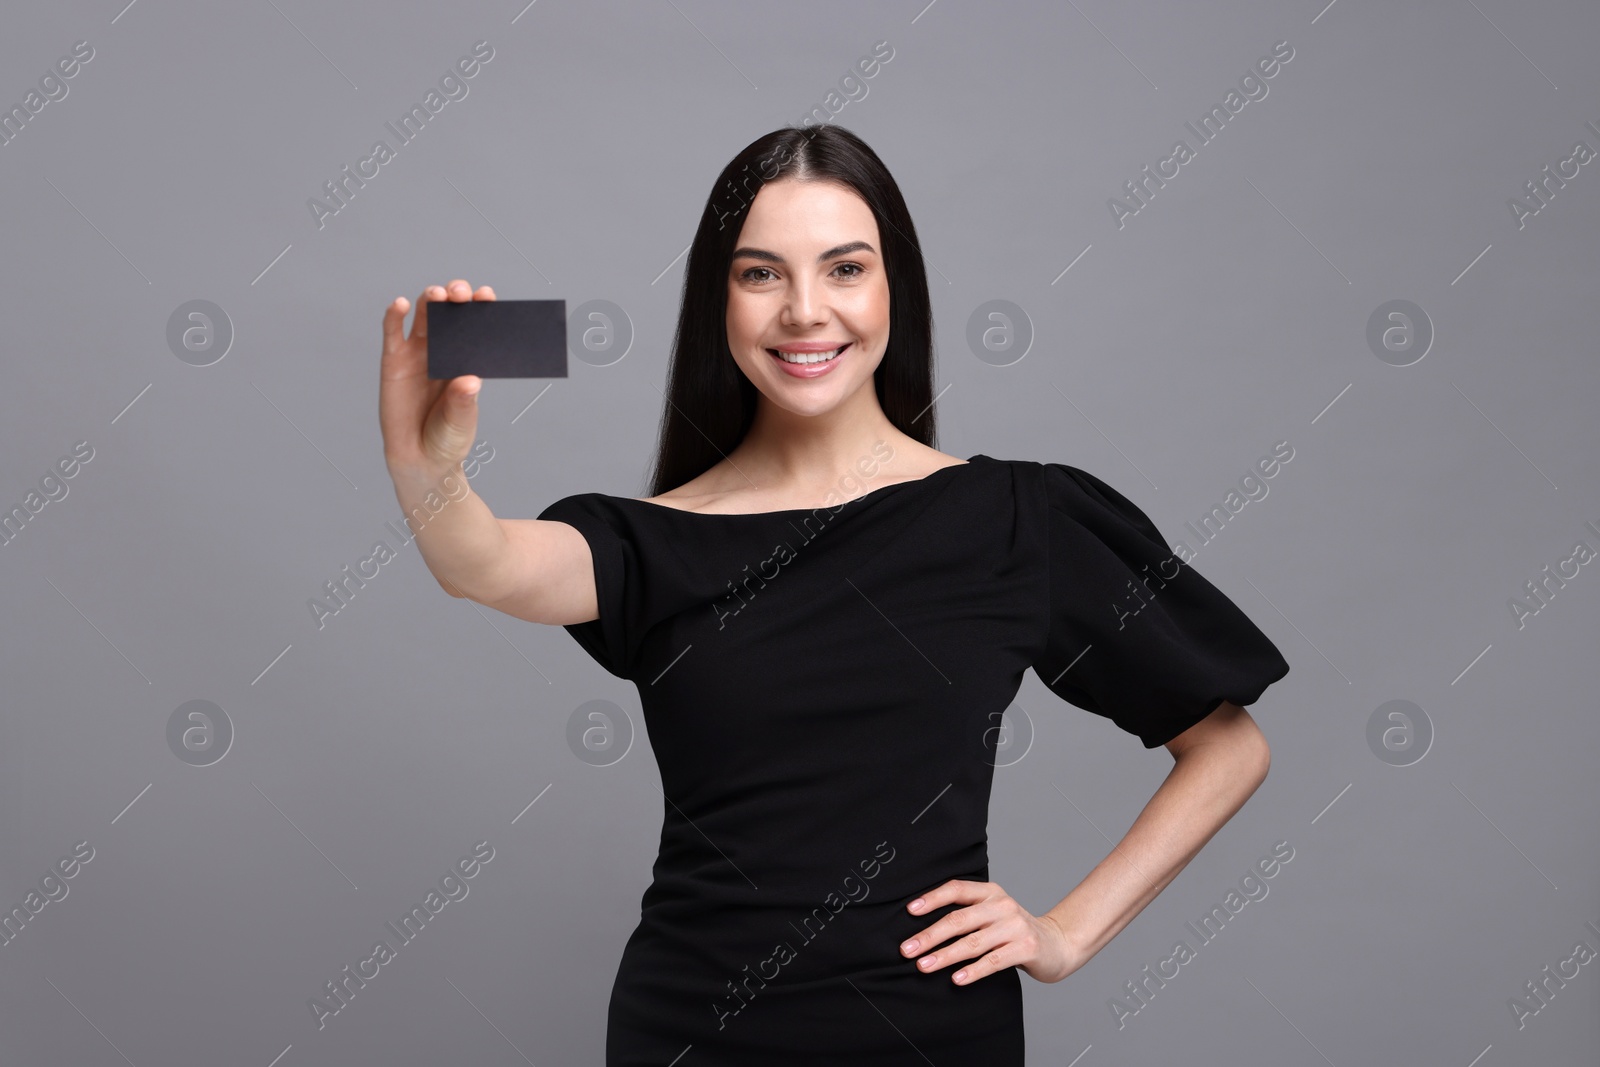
909	947
916	905
961	976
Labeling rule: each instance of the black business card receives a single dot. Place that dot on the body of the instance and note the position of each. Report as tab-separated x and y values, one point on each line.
497	338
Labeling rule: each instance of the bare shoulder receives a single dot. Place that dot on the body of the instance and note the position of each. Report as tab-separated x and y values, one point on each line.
700	493
716	486
918	460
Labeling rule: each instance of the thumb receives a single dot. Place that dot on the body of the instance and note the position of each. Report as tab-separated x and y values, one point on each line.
453	424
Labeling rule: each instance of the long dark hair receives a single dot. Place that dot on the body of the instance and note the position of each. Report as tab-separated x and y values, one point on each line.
710	403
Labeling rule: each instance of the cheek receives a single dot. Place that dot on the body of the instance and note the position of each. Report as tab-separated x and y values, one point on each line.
872	309
743	321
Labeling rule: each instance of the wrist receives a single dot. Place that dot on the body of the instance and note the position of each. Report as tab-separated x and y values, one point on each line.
1073	940
413	478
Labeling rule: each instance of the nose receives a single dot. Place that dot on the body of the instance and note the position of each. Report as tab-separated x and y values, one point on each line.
804	305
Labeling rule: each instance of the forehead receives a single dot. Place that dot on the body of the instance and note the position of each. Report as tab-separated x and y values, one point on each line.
807	215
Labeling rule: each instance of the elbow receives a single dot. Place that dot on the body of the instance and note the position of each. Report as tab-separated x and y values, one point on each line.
1254	754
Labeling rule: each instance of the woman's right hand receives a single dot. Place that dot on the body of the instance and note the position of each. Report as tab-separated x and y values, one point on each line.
533	569
428	425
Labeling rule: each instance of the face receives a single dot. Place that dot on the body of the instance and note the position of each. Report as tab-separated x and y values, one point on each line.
808	274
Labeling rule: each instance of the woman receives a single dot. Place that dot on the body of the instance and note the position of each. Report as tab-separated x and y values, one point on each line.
825	617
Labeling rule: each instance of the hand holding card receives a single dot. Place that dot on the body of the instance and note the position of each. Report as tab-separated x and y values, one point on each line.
497	339
428	425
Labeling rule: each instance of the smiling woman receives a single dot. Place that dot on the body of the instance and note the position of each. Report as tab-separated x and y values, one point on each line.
854	705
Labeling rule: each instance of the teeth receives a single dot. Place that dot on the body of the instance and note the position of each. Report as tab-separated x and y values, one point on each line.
807	357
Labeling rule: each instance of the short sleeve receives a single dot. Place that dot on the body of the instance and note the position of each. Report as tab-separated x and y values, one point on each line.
1136	634
611	638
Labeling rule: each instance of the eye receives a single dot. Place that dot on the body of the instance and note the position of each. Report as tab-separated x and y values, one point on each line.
859	269
746	275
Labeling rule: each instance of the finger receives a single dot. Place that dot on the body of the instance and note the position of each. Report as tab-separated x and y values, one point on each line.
459	290
975	944
394	322
419	321
956	890
999	959
397	362
405	391
483	293
958	922
1011	940
1005	939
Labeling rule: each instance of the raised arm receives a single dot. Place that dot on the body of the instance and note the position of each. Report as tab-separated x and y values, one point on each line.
535	570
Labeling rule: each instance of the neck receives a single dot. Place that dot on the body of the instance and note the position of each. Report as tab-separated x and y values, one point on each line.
783	448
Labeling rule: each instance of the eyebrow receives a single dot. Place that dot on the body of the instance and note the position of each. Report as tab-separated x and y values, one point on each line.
832	253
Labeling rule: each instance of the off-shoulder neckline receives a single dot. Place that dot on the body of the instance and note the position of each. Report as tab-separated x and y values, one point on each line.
925	479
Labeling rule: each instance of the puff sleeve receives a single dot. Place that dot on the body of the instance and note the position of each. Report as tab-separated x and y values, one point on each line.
611	639
1136	634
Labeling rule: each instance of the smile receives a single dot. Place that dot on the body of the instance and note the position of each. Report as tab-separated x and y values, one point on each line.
803	358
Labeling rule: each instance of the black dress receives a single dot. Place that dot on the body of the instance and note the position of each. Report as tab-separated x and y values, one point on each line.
822	690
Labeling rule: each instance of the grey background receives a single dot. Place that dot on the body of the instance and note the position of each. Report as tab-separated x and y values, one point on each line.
1229	314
